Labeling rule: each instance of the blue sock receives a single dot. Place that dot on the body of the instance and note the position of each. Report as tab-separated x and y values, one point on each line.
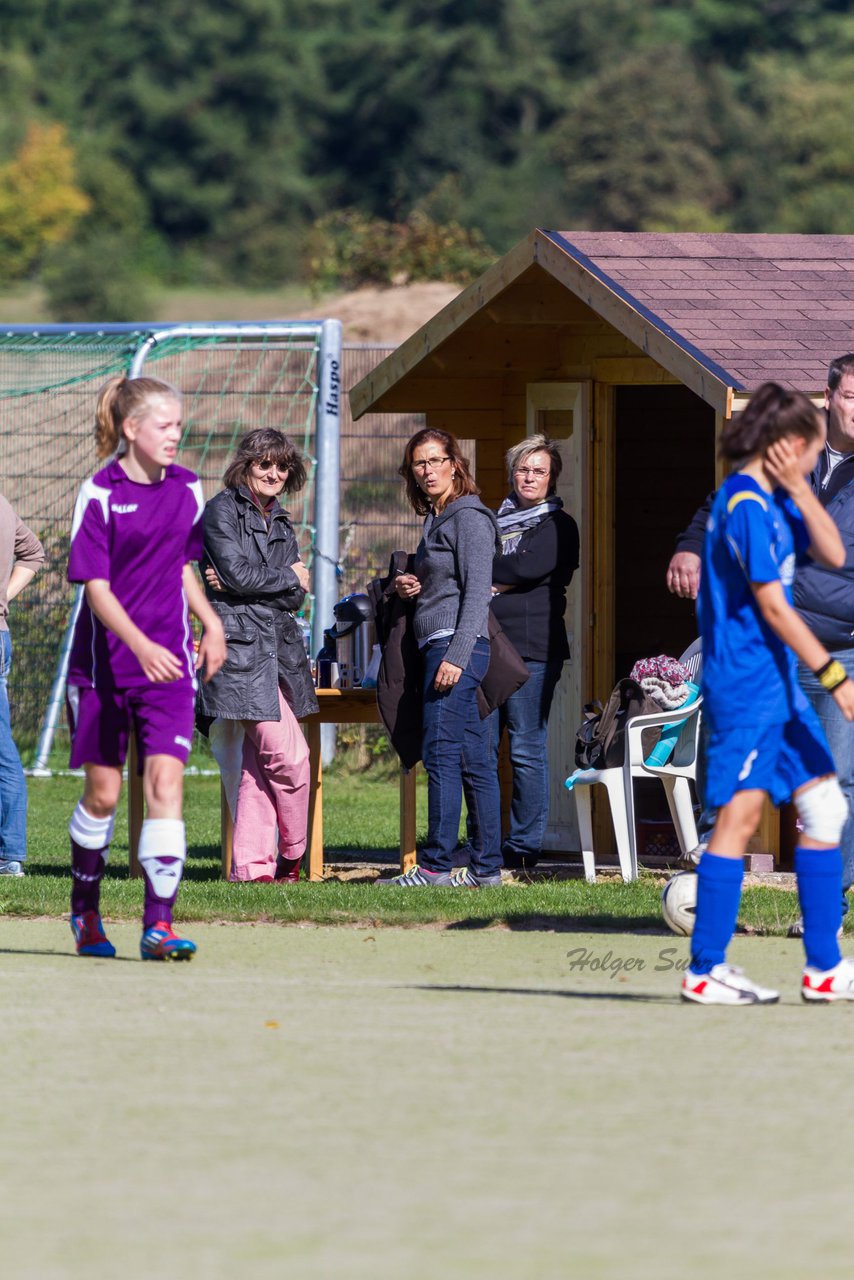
718	897
819	873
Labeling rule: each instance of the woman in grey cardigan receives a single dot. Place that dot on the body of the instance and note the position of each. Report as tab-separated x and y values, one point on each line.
452	587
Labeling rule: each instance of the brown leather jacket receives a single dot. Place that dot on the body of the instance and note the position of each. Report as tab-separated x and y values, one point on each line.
399	684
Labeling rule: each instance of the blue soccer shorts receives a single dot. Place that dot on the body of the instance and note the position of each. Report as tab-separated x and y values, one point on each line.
777	758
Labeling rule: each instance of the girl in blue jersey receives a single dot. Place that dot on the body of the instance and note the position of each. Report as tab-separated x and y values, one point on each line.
765	738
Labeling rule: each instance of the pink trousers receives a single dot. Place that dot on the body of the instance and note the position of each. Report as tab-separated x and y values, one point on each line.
272	800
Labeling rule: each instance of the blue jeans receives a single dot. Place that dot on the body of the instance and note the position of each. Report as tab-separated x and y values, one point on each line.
525	715
456	755
840	739
13	784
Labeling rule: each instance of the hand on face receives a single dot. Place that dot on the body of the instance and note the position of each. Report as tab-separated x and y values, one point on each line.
785	461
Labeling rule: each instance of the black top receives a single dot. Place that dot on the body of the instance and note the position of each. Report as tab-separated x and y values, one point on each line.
691	539
539	571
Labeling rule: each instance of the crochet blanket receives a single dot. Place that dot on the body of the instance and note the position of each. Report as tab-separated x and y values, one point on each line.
664	680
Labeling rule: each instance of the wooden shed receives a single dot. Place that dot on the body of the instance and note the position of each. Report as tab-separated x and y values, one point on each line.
631	349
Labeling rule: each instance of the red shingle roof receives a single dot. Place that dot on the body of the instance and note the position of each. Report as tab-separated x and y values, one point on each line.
758	306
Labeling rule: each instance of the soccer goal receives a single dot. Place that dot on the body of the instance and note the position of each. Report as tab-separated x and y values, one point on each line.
234	377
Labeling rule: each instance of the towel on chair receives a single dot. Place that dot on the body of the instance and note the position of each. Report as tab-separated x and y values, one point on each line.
664	680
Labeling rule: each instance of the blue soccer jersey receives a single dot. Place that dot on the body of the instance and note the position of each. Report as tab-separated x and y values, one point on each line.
749	674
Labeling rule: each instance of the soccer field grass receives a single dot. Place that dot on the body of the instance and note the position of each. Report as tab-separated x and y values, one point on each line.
458	1102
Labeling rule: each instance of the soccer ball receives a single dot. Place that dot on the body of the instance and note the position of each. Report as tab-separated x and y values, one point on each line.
679	902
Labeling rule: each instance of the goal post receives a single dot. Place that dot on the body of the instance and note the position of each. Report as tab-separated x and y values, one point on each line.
233	376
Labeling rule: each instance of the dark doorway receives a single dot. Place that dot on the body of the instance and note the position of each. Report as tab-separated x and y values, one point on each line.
665	454
664	469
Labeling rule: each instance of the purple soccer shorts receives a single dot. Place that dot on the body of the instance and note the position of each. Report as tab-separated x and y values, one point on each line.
100	719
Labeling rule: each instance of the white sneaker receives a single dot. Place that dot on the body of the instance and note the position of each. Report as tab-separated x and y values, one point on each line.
829	984
690	860
725	985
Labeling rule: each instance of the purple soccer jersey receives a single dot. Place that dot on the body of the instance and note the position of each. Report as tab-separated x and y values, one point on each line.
137	537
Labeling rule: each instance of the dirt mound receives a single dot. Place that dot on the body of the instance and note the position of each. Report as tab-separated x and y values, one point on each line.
385	315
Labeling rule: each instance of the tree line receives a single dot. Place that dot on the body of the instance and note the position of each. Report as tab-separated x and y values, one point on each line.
264	140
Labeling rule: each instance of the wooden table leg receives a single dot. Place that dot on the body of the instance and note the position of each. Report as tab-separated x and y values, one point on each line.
226	828
407	818
315	802
135	809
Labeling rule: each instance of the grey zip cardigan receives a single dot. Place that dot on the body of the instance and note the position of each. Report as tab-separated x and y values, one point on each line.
454	566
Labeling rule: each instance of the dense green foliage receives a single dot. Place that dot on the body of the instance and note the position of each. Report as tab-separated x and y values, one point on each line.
212	136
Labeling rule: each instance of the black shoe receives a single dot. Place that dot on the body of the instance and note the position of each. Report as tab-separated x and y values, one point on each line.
520	861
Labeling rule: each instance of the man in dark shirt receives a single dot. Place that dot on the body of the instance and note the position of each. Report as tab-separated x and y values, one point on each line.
823	597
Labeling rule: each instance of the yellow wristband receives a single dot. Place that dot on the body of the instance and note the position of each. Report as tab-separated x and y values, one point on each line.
832	675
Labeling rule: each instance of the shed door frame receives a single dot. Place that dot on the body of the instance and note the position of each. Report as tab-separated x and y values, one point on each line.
575	397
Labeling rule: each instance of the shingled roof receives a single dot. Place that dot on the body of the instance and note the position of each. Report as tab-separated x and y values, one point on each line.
722	313
758	306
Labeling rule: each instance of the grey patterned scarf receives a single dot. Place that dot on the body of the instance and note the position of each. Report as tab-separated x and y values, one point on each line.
513	521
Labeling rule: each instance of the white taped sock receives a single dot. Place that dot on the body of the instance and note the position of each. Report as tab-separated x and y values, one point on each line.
89	832
160	839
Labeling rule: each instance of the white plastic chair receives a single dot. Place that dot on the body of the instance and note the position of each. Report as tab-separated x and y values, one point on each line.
692	660
675	777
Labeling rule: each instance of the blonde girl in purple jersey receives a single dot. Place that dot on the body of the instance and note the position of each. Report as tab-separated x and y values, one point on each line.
136	529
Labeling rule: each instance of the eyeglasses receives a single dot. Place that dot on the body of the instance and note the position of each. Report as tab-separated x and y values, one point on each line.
267	465
536	472
429	464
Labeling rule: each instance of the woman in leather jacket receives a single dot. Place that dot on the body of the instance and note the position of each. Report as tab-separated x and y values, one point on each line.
255	580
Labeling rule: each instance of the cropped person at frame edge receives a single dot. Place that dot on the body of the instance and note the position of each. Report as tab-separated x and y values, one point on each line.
824	598
539	554
22	557
255	580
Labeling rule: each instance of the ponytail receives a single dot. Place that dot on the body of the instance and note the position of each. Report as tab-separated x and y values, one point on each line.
771	413
119	399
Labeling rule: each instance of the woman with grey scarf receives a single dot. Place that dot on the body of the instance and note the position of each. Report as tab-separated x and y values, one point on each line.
539	555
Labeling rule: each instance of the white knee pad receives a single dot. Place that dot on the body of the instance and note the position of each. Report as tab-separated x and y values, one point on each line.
163	838
89	832
823	811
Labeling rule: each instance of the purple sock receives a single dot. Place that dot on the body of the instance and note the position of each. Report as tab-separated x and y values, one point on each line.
157	909
87	869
